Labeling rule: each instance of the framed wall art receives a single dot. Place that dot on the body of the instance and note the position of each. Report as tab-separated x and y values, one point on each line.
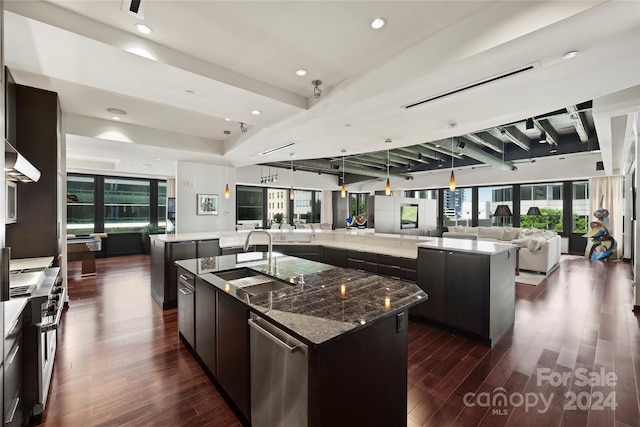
207	204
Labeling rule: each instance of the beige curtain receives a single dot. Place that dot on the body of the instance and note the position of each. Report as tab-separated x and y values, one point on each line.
326	214
609	188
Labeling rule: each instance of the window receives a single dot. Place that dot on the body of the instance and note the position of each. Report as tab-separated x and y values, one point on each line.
249	205
489	198
548	199
457	206
358	203
162	204
126	204
318	206
80	213
302	206
279	211
580	207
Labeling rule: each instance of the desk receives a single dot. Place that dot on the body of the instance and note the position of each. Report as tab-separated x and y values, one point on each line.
85	248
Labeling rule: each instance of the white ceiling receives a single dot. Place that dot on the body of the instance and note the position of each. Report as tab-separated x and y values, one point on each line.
237	56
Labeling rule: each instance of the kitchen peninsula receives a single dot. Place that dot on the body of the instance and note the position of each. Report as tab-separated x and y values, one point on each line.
348	329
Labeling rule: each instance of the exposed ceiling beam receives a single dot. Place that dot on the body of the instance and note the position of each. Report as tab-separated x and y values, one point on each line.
579	122
552	135
393	159
358	161
486	139
440	147
410	155
472	151
514	135
326	166
426	152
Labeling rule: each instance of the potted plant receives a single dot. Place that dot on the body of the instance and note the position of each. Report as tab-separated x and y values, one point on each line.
144	234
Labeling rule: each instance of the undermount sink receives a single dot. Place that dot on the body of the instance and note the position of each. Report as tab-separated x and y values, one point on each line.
251	281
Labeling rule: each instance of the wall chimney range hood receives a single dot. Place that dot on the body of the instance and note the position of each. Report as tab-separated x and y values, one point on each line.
16	167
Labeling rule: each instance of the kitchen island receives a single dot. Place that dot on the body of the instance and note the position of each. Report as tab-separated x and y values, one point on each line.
348	329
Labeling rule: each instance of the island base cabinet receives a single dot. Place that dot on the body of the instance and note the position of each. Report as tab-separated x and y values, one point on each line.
233	352
361	378
205	314
432	278
471	292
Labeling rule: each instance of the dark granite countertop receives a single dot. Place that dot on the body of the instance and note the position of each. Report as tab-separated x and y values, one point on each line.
332	301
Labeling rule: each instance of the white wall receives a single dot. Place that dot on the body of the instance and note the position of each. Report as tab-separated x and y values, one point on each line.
197	178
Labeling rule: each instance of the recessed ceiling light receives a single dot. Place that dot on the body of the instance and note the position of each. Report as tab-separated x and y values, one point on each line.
227	119
115	118
570	54
143	29
378	23
301	72
256	112
189	91
116	111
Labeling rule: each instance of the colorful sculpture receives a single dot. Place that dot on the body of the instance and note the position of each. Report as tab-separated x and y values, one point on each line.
601	244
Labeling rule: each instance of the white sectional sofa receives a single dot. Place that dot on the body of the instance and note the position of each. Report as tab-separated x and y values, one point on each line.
539	249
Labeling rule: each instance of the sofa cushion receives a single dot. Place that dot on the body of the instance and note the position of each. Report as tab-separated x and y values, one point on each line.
548	234
535	243
490	232
510	233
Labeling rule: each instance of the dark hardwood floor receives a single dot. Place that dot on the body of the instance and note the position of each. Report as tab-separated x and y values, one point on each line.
120	361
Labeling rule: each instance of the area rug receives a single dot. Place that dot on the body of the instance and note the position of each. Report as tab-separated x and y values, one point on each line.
532	279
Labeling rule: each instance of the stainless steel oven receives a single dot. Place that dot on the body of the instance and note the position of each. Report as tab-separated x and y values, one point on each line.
40	339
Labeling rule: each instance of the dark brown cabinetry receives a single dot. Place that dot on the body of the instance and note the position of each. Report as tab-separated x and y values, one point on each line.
206	306
432	278
164	281
471	292
365	261
233	351
207	248
310	252
334	256
37	231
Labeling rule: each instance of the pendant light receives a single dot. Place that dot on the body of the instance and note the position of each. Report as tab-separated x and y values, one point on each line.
291	196
226	187
343	190
452	179
387	188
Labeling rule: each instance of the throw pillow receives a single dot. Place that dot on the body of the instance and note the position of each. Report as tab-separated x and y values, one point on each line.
510	233
535	243
548	234
490	232
522	241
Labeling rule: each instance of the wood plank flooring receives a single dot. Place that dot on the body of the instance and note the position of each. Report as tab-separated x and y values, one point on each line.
120	361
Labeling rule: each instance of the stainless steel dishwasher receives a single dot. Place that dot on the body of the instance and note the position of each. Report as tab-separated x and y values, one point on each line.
279	367
186	308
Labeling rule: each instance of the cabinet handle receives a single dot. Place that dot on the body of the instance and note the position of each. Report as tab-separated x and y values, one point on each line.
272	337
186	277
14	407
184	291
12	355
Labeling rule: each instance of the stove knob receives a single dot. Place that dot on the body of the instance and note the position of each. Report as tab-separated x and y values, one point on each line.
58	290
55	297
51	309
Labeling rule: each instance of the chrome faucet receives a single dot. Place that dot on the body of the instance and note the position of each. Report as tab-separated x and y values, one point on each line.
270	270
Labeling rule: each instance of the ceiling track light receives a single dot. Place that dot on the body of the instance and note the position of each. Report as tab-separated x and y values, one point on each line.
529	124
243	129
543	137
316	88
